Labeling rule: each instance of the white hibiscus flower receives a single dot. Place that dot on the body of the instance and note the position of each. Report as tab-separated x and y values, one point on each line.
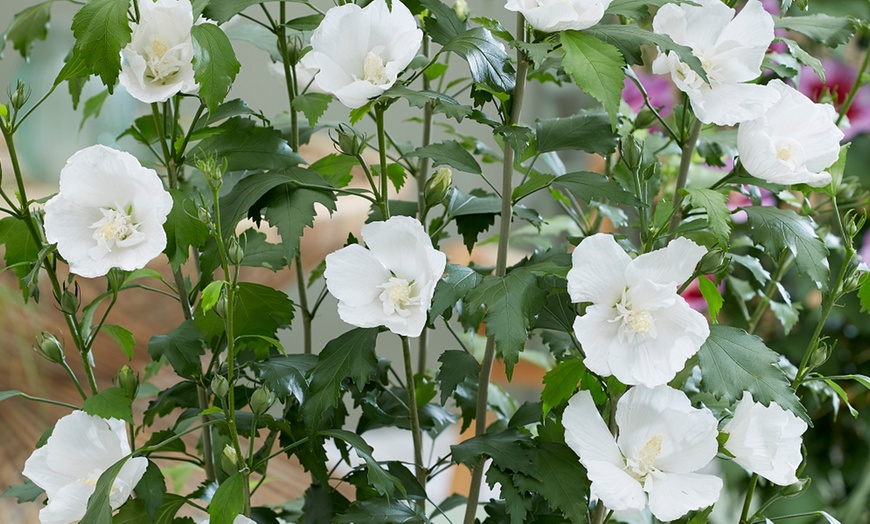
109	212
662	442
794	142
731	49
637	328
558	15
158	60
765	440
67	467
360	52
391	281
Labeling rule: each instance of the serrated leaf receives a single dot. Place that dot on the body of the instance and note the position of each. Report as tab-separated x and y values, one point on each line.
335	168
487	60
441	22
535	182
285	374
27	492
589	186
449	152
634	9
716	206
101	30
182	347
712	296
123	337
828	30
20	249
222	10
456	283
503	447
245	147
787	314
517	502
512	302
805	58
27	27
733	361
563	483
561	382
214	63
456	367
228	501
587	131
378	477
99	509
184	230
441	103
596	67
312	105
781	229
110	403
151	489
380	511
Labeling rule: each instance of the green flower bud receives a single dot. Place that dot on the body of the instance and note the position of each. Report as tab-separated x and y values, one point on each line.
128	380
69	301
632	152
350	141
235	253
712	262
222	305
262	400
797	488
821	355
438	186
230	460
19	96
213	169
50	347
460	7
204	216
220	386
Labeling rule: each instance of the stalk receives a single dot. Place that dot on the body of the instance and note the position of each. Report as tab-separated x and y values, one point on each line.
419	469
688	148
382	154
500	269
422	177
783	264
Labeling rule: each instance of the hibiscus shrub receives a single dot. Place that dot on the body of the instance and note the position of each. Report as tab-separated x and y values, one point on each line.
719	177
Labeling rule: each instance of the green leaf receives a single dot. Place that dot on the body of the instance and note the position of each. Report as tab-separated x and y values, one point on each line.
457	366
781	229
101	30
335	168
27	492
110	403
132	512
518	502
246	147
561	382
183	230
718	214
27	27
535	182
805	58
93	106
596	67
634	9
828	30
843	396
222	10
9	394
712	295
837	171
182	347
441	103
504	447
21	251
733	361
210	295
171	505
285	375
352	354
864	293
587	131
511	303
214	63
446	25
380	511
487	60
787	314
228	501
312	105
456	283
151	489
123	337
378	477
589	186
449	152
99	503
563	482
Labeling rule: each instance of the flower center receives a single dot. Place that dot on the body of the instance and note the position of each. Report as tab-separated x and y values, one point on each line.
374	70
116	228
790	153
633	322
642	465
398	296
161	63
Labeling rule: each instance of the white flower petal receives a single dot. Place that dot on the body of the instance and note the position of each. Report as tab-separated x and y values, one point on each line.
587	434
560	15
598	270
672	495
68	505
353	275
130	475
671	265
741	46
731	104
598	334
401	245
617	489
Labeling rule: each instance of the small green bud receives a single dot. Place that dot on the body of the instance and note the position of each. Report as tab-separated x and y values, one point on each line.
50	347
116	278
350	141
821	355
632	152
220	386
712	261
797	488
69	301
438	186
204	216
230	460
460	7
222	305
262	400
128	380
213	169
19	96
235	253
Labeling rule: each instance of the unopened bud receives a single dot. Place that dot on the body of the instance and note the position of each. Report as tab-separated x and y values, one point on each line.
262	400
460	7
128	380
50	347
213	169
222	305
821	355
69	301
235	253
711	262
220	386
19	96
204	215
632	152
350	141
438	186
797	488
116	278
230	460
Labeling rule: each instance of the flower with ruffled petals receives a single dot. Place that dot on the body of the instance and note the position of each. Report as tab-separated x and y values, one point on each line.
67	467
158	60
360	51
765	440
839	79
730	48
391	281
637	328
559	15
662	442
793	142
109	212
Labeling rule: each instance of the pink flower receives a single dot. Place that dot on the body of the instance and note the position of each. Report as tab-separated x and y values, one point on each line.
839	80
661	92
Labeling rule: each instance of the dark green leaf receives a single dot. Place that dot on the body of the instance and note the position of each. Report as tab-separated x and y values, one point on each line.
246	147
132	512
380	511
828	30
457	282
182	347
561	382
27	27
504	447
151	489
487	59
183	229
559	313
441	102
171	505
449	152
123	337
718	214
110	403
101	30
222	10
781	229
335	168
21	251
596	67
99	504
864	293
442	24
590	132
378	477
589	186
228	501
214	63
635	9
312	105
518	502
563	480
733	361
285	374
535	182
457	366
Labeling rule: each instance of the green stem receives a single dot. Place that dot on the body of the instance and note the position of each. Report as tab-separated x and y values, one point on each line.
747	502
419	469
422	177
859	81
688	148
48	401
303	303
783	264
74	378
382	155
500	268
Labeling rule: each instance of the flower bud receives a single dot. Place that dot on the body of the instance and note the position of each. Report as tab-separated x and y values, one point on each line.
235	253
204	215
793	490
350	141
128	380
69	301
213	169
437	186
821	355
19	96
116	278
712	262
632	152
460	7
220	386
262	400
230	460
50	347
